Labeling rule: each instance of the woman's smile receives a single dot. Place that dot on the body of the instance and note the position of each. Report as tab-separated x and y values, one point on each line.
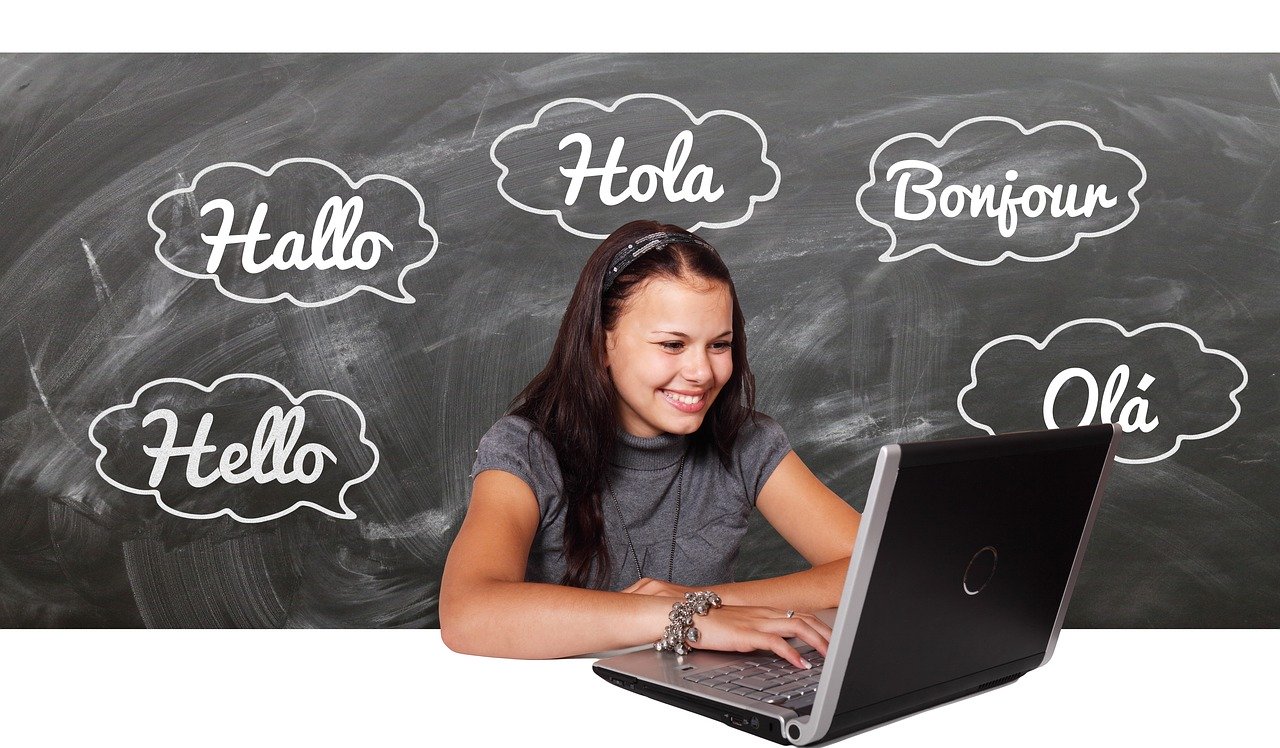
685	403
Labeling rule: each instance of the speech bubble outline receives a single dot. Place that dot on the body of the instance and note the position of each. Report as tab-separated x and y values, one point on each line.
889	256
752	199
1040	346
228	511
404	298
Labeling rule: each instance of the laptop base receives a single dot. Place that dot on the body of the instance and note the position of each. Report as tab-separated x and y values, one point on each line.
769	728
854	721
891	710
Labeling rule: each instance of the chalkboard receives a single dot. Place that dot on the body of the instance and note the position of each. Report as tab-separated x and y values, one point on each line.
257	310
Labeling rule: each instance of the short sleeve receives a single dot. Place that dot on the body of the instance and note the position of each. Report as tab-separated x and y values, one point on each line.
514	446
763	445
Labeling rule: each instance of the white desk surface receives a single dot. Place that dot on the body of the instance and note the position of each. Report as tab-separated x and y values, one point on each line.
405	688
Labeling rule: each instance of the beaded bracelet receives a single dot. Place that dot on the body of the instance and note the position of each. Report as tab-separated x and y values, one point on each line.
681	626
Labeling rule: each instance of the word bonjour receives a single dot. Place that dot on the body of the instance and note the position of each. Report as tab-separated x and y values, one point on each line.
646	178
1133	415
271	457
334	242
1034	199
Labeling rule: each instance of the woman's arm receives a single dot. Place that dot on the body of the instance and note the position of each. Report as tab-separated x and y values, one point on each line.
818	524
486	607
812	589
815	521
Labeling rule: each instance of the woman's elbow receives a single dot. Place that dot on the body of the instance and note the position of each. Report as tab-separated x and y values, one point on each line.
467	621
454	631
453	638
455	623
834	589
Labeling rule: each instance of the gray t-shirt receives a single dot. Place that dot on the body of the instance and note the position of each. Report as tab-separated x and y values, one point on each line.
714	503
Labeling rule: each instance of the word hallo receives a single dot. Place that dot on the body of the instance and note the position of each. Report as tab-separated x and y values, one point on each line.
333	242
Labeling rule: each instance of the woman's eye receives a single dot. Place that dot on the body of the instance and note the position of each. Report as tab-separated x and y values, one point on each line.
676	346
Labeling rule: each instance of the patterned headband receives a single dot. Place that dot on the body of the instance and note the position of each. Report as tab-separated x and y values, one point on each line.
635	249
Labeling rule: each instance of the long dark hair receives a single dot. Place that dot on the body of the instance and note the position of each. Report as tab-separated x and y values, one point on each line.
572	401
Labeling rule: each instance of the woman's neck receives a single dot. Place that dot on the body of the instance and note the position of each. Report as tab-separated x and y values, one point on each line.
647	452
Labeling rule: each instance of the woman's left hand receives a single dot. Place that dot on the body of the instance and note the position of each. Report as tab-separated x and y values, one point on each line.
647	586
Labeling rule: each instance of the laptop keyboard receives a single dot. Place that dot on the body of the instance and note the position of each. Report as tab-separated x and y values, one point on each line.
771	680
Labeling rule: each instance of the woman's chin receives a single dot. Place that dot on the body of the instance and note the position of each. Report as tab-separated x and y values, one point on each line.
683	423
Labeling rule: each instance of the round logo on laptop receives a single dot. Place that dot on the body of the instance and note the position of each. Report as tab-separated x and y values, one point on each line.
980	570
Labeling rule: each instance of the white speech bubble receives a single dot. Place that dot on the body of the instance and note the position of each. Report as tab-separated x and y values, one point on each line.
346	513
403	297
1041	345
559	214
890	255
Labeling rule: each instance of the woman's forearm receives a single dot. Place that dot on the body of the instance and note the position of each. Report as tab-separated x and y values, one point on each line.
809	590
531	620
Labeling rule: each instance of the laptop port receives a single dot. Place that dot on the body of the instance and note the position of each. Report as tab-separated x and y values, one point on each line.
742	722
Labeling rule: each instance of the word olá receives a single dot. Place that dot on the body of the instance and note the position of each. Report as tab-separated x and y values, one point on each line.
1133	414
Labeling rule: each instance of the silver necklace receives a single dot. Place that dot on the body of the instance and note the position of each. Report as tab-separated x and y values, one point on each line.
671	560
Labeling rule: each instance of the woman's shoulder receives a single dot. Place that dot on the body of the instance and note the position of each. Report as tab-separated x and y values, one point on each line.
760	445
759	428
518	430
512	426
515	442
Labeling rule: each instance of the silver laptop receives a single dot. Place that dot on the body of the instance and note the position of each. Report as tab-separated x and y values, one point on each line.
959	582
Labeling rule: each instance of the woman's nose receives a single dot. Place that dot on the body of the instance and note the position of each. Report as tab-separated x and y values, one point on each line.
697	367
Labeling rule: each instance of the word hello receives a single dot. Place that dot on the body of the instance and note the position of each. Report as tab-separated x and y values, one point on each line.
646	178
1133	415
1032	201
333	242
271	457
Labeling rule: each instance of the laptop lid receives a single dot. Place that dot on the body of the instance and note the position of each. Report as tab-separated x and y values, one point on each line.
963	569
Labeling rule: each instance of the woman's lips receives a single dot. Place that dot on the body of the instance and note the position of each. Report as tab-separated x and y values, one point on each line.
677	401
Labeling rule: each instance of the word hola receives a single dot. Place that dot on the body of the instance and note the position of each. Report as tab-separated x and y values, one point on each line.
334	242
1133	415
271	457
645	179
1059	200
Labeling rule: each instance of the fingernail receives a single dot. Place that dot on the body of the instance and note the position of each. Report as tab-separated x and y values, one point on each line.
808	665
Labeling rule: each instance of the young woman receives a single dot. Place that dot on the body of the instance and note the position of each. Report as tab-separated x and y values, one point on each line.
624	474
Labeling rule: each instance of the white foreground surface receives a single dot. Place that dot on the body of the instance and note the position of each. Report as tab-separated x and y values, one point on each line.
374	688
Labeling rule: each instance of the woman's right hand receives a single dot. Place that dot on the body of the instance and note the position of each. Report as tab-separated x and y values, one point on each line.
743	628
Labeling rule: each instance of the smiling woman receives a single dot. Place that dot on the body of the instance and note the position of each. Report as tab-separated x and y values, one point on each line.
625	472
667	378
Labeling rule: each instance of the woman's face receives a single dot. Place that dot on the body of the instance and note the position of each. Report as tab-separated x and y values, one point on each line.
669	354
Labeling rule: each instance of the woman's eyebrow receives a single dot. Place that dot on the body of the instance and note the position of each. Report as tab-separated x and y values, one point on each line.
682	335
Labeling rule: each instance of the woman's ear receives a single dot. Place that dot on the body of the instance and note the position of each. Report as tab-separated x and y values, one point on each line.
609	342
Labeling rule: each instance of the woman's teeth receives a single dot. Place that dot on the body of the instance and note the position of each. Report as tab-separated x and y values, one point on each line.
686	399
